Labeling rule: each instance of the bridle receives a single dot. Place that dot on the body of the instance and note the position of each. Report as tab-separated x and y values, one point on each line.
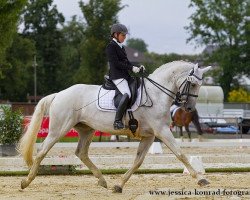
185	86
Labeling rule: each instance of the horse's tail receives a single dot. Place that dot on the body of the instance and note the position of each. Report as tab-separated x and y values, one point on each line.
26	143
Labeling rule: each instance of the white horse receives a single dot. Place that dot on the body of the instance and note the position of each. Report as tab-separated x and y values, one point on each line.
74	108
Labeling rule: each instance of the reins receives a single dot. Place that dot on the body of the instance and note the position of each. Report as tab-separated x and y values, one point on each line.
168	92
162	88
165	90
175	96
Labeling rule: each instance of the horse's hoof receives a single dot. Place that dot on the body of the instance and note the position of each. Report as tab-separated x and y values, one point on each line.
203	182
117	189
200	138
102	183
23	184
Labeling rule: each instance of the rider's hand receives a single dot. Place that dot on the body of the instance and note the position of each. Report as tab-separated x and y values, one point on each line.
135	69
143	68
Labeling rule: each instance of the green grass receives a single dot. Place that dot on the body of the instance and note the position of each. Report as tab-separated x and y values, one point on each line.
162	171
122	171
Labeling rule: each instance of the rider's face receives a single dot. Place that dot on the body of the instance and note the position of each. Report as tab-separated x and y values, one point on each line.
121	37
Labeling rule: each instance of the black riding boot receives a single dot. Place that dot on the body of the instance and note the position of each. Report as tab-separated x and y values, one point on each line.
120	111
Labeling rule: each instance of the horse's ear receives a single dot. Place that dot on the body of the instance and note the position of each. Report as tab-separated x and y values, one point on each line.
204	70
196	66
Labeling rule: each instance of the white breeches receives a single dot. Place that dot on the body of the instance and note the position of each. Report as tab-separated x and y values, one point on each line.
173	107
122	85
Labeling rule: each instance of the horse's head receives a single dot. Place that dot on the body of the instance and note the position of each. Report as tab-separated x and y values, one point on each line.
189	88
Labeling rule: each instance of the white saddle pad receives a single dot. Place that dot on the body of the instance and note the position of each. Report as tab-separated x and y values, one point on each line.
105	100
173	109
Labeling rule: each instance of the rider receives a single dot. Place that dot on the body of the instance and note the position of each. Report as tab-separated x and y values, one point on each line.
119	67
175	105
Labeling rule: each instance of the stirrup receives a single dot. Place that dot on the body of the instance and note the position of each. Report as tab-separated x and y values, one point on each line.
118	125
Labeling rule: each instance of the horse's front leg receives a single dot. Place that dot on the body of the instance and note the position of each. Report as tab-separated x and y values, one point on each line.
141	153
165	135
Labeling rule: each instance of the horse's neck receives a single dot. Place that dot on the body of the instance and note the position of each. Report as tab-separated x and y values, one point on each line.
166	78
159	97
168	83
169	76
172	74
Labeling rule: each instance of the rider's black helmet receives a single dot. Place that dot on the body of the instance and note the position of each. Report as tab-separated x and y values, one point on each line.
119	28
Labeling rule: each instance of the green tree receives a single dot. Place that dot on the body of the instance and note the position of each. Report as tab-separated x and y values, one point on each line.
9	16
221	23
99	16
73	38
246	56
137	44
17	81
41	21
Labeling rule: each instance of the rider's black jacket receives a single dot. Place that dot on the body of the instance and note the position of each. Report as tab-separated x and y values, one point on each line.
119	65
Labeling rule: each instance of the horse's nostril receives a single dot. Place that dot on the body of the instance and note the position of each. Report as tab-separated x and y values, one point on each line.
189	109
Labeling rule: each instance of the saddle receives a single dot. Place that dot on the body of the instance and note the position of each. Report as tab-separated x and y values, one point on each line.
134	83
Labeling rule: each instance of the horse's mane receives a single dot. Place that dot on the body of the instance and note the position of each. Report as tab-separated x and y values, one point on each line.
180	64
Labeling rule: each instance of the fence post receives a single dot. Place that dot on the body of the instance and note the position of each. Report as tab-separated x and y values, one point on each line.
237	125
240	119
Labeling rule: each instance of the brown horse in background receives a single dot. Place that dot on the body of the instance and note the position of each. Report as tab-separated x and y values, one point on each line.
182	118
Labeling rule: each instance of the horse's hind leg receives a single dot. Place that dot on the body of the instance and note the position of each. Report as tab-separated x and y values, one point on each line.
181	133
46	146
197	125
188	132
82	153
141	153
168	139
54	135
